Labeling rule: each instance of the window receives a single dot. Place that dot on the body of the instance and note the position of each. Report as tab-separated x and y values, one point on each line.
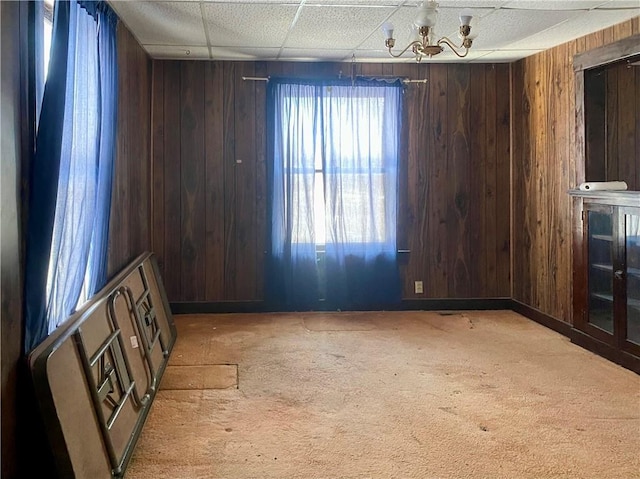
47	25
356	170
43	34
358	197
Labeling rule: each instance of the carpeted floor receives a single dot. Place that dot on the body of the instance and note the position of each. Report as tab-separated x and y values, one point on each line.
388	395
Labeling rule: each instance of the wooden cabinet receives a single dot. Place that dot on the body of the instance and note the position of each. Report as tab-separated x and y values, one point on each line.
606	293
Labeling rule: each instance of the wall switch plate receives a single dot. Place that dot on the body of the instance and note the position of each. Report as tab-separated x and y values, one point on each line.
418	287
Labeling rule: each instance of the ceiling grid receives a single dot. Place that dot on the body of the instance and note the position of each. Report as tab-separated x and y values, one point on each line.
338	30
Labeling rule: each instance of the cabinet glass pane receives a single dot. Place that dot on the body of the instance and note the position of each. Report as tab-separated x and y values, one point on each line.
632	228
600	270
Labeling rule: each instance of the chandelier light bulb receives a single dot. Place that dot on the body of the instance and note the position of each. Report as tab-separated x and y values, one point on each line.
465	18
387	28
427	14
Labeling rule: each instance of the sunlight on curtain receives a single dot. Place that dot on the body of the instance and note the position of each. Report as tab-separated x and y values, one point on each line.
361	137
70	192
76	199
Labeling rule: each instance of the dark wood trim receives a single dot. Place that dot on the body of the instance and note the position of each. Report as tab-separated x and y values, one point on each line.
611	353
580	131
449	304
619	50
541	318
483	304
216	307
579	295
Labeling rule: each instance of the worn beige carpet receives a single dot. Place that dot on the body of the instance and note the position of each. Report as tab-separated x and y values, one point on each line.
389	395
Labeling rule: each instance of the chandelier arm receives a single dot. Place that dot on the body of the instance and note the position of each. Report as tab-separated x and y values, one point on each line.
454	48
398	55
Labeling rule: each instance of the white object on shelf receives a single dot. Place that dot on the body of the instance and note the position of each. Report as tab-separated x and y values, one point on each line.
603	186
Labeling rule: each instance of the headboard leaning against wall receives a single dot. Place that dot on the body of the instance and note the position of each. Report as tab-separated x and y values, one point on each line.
97	375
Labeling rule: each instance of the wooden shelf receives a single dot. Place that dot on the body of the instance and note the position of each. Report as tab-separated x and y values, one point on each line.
609	269
603	297
603	267
616	198
603	237
634	303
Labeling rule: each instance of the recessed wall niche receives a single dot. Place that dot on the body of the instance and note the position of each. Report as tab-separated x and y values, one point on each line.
612	122
608	113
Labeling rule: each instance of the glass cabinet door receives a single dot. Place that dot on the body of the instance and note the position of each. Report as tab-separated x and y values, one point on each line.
600	260
606	289
632	276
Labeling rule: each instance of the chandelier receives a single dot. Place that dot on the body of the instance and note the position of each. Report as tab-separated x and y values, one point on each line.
425	22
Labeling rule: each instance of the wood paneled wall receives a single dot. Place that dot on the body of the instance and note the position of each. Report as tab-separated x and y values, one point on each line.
130	223
209	177
544	169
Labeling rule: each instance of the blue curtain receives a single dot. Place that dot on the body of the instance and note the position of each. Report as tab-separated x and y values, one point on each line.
70	188
294	123
361	137
335	144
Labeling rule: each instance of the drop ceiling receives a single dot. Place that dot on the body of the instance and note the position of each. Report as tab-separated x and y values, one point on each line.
348	30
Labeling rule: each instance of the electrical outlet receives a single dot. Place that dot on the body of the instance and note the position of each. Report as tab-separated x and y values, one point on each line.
418	287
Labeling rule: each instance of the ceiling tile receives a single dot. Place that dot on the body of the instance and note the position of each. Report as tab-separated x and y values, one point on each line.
244	53
620	4
501	56
176	52
254	2
369	56
503	28
462	4
248	24
575	27
163	23
298	54
335	27
554	4
332	30
361	3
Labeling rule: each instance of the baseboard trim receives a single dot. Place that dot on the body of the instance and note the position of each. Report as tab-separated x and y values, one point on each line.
540	317
193	307
596	346
216	307
452	304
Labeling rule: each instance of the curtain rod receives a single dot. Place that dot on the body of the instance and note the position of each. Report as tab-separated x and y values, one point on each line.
404	80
